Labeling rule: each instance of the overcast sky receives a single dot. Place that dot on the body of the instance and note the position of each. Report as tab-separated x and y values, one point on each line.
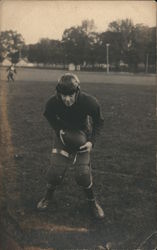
36	19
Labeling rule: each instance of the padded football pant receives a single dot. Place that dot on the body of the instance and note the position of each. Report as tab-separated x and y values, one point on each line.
61	160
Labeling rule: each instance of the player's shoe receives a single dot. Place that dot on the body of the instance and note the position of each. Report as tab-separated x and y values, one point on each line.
43	204
96	209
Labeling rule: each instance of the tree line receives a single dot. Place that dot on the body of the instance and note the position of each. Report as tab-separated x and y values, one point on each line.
128	45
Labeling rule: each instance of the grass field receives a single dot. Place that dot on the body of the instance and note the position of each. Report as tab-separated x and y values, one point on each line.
123	164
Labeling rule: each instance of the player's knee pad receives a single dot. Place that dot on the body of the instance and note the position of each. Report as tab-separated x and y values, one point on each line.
59	164
84	181
83	176
55	176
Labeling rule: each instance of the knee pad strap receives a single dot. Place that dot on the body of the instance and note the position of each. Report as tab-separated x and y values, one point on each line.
60	151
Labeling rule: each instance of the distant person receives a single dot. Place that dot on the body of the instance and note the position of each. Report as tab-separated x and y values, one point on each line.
69	113
11	72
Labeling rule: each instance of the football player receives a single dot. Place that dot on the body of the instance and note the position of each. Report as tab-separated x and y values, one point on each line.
11	71
76	119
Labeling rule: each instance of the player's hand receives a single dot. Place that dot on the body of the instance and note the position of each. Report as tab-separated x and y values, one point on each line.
87	147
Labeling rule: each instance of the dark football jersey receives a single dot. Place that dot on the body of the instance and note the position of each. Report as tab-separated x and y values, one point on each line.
84	115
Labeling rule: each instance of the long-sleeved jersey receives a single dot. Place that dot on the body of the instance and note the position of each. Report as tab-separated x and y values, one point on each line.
84	115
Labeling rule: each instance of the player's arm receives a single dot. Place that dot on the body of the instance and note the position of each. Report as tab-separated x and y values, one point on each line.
53	118
97	120
97	125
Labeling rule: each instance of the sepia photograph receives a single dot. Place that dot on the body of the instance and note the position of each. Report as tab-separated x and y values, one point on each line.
78	125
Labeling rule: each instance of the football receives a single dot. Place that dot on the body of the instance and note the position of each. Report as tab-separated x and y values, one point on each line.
73	139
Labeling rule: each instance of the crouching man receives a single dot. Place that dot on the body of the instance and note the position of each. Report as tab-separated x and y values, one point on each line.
76	119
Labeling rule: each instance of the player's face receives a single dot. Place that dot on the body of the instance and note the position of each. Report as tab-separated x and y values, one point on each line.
68	100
